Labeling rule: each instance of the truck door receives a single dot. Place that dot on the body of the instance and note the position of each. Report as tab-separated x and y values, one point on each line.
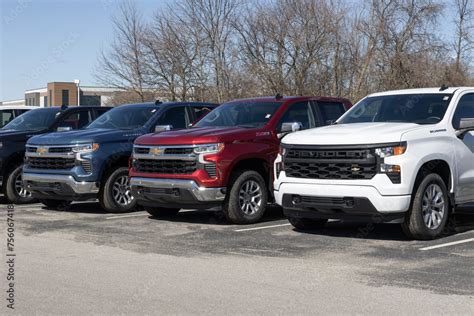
464	152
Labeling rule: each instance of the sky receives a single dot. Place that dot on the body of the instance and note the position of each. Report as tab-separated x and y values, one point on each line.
59	40
54	40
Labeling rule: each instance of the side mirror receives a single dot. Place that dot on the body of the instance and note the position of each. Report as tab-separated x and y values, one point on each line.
64	129
291	127
465	125
162	128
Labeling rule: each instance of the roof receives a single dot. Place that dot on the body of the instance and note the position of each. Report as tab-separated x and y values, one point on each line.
18	107
437	90
292	99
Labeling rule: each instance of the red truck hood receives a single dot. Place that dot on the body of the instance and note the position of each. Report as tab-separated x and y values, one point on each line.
199	135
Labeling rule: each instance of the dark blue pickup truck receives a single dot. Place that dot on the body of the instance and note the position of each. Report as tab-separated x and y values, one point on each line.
14	135
93	162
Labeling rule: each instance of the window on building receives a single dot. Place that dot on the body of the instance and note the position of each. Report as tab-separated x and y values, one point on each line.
90	99
50	97
45	100
65	97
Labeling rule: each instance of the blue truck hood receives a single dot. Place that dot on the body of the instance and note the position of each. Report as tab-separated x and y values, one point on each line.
84	136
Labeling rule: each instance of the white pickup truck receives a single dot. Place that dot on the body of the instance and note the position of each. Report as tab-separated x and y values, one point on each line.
402	156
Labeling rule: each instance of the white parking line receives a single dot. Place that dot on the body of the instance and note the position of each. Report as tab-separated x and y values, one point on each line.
129	215
262	227
448	244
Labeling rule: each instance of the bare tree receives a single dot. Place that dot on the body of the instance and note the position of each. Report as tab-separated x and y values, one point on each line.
464	22
122	65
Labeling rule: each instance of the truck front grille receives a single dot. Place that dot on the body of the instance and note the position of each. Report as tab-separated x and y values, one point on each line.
51	163
165	166
345	164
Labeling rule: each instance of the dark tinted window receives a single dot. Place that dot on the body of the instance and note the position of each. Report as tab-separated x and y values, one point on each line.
77	120
175	117
403	108
65	97
243	114
5	117
298	112
200	111
124	117
465	109
330	111
33	120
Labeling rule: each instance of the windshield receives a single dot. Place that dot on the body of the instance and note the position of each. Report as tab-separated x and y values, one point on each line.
127	117
404	108
34	120
243	114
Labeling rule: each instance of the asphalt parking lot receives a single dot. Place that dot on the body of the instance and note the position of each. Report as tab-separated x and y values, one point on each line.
85	261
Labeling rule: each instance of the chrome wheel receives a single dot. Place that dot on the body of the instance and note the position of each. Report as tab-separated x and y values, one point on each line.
20	189
250	197
433	206
121	191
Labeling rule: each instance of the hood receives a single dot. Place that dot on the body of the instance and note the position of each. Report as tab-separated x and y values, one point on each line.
12	135
352	134
83	136
198	135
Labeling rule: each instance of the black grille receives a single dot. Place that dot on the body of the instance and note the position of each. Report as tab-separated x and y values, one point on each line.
60	150
179	151
51	163
87	166
140	150
211	169
165	166
350	164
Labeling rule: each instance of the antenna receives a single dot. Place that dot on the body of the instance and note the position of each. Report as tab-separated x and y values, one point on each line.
279	96
158	102
443	87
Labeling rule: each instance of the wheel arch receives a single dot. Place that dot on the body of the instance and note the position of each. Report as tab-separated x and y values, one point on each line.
440	167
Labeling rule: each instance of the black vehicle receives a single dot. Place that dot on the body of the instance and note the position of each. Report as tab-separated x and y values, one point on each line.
92	163
14	135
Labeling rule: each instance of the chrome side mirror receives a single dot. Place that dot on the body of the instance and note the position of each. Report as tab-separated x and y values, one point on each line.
163	128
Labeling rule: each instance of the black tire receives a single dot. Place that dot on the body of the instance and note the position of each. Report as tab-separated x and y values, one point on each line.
162	212
306	223
12	192
60	205
415	225
115	195
235	208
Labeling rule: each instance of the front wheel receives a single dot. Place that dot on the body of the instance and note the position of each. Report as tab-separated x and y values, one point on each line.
162	212
247	198
116	195
14	190
429	211
306	223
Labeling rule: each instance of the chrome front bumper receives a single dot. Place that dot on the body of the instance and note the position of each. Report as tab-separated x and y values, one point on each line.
201	194
31	180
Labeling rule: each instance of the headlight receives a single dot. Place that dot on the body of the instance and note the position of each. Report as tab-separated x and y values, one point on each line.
209	148
282	151
391	151
88	148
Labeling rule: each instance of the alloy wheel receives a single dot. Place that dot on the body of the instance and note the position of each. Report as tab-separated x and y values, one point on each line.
121	191
250	197
433	206
20	189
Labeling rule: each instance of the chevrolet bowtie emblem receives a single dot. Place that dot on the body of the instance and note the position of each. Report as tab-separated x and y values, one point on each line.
355	168
157	151
41	150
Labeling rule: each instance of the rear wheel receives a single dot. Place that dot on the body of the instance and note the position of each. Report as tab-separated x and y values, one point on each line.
116	195
162	212
247	198
306	223
56	204
14	190
429	211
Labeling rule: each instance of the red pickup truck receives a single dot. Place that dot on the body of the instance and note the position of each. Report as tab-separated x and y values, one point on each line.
225	159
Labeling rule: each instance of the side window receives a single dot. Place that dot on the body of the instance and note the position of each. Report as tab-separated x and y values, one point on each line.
6	117
200	111
330	111
77	120
298	112
100	111
175	117
465	109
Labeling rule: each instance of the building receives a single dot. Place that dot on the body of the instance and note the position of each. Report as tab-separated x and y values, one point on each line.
65	93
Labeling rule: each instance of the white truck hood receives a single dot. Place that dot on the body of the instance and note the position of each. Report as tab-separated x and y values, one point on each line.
351	134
